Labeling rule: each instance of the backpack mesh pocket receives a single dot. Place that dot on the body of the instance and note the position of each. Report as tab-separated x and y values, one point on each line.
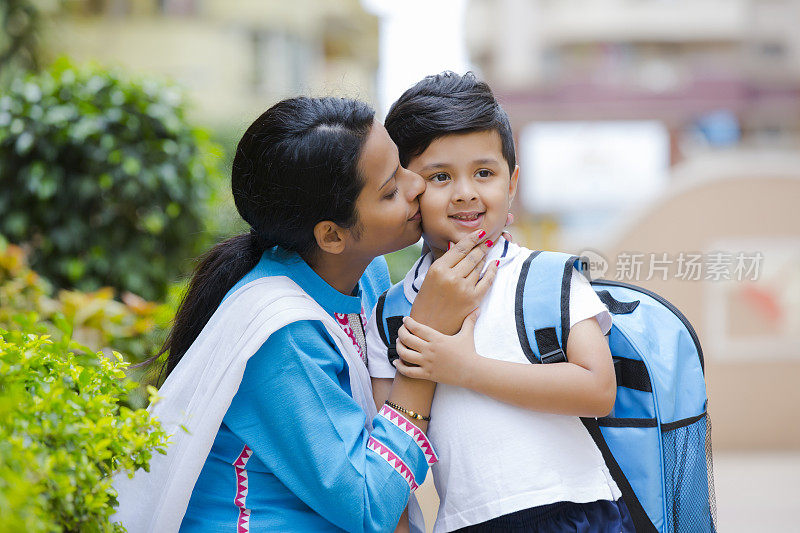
689	477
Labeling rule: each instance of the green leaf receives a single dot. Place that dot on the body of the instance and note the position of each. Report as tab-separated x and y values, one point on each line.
75	269
131	166
59	446
24	143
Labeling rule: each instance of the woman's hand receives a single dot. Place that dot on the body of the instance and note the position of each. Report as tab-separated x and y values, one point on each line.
452	289
437	357
453	286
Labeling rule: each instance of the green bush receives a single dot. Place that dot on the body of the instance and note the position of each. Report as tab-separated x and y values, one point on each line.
64	434
130	324
102	178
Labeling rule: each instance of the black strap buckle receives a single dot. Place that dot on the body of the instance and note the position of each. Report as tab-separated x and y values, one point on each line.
556	356
549	349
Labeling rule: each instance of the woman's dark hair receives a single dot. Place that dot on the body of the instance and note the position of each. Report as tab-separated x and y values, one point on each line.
295	166
444	104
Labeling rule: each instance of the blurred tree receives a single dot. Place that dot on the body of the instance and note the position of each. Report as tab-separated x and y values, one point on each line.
102	179
20	21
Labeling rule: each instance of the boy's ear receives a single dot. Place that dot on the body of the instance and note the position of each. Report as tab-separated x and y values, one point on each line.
330	236
512	184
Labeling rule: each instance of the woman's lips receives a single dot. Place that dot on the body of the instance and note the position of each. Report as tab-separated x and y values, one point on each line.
468	220
417	216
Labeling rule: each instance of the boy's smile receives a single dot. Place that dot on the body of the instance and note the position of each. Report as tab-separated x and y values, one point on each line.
469	219
467	187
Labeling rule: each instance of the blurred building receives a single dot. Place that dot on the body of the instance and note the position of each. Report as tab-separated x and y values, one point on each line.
713	71
235	57
717	85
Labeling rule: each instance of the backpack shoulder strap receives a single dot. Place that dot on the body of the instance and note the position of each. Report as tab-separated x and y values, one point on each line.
541	305
392	306
379	317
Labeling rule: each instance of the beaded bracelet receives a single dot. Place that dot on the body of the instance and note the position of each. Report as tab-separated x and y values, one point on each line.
412	414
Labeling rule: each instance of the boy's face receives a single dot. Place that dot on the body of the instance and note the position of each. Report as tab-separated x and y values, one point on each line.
467	187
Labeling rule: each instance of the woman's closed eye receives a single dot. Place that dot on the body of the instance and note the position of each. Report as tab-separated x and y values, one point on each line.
391	194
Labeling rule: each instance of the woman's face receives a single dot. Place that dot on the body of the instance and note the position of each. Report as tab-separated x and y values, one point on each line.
388	205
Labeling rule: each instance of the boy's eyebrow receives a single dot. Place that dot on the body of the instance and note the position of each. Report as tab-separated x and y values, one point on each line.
433	166
390	177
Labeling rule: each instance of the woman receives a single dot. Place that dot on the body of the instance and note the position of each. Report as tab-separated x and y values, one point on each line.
267	390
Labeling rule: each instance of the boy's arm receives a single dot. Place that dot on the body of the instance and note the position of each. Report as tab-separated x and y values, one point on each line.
584	386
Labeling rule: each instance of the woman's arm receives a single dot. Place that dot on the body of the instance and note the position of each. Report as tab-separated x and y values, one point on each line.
293	410
584	386
453	288
381	387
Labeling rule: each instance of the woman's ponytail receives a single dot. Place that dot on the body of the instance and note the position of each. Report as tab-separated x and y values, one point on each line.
218	270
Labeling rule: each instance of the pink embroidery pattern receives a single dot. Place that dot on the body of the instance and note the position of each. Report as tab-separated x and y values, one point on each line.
394	461
341	318
411	430
243	523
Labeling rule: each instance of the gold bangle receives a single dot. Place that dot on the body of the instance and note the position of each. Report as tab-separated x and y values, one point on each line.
409	412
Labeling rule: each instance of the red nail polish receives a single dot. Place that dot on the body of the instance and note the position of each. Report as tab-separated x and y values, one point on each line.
481	234
489	243
497	263
449	244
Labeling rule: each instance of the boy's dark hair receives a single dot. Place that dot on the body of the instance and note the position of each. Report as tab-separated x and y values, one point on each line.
444	104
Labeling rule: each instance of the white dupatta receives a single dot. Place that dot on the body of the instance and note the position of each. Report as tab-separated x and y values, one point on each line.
198	392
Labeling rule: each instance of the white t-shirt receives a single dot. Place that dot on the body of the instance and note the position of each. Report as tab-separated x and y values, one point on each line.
495	458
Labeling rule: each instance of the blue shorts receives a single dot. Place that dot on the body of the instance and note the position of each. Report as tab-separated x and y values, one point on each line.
602	516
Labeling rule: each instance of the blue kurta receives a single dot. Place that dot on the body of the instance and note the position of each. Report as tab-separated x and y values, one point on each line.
292	451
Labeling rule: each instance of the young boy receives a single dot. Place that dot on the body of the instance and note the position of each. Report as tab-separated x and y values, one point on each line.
513	454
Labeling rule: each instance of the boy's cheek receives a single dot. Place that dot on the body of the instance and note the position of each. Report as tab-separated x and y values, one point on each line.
435	227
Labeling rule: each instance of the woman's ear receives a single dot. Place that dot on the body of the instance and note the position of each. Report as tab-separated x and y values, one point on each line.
330	236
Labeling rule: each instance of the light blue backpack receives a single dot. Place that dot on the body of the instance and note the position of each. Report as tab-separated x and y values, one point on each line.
657	440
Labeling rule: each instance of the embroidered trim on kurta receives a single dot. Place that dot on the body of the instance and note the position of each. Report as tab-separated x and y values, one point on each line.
396	418
394	461
243	522
356	334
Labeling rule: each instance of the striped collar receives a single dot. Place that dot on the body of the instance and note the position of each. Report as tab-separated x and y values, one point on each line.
503	251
